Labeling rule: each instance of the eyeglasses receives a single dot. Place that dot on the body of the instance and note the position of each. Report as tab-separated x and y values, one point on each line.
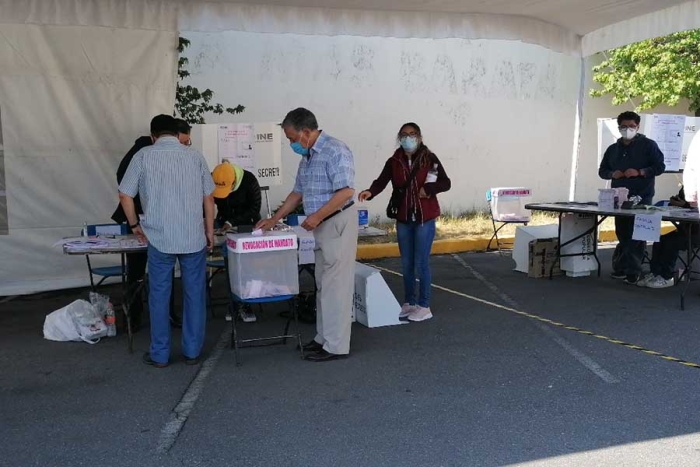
623	128
409	135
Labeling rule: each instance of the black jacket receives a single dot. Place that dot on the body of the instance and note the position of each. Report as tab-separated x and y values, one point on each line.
119	217
641	153
241	207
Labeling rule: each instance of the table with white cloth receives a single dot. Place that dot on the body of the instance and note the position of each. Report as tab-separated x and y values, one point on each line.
682	219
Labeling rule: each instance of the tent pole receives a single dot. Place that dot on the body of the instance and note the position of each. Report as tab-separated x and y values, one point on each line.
577	131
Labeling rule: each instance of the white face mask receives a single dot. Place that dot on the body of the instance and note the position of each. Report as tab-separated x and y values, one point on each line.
629	134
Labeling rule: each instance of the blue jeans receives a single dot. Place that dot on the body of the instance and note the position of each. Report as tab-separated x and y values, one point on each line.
194	314
415	242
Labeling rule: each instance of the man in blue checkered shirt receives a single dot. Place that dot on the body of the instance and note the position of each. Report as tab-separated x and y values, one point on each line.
325	184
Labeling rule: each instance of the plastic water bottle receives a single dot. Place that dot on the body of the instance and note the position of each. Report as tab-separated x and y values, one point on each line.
432	175
110	321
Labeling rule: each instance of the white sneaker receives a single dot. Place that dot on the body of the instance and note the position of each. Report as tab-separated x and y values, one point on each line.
644	281
247	315
406	310
420	314
660	283
228	316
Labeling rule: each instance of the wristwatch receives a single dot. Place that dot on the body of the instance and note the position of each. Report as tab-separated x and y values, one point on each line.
135	225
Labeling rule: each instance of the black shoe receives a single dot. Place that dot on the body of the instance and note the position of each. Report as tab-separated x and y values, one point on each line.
149	361
312	346
631	279
618	275
193	361
323	356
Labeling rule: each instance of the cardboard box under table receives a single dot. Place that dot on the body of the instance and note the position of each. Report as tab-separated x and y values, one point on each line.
536	249
263	269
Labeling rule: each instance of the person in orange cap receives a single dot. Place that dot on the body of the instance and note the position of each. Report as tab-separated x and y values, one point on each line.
238	201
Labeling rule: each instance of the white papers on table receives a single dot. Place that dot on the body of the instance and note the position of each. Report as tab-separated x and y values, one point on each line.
647	227
85	245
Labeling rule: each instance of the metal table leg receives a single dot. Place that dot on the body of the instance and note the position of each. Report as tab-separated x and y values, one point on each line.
689	266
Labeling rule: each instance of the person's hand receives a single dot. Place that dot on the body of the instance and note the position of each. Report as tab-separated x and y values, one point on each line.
138	231
265	224
364	196
210	240
423	194
631	173
618	174
311	222
227	227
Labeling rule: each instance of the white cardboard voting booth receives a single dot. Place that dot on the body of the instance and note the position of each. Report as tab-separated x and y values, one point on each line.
573	225
374	305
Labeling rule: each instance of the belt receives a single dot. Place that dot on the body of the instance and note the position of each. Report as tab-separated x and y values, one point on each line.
347	206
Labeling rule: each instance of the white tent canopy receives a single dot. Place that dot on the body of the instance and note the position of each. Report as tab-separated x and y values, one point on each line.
79	80
570	26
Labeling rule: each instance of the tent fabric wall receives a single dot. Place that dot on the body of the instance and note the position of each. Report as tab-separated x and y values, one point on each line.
73	97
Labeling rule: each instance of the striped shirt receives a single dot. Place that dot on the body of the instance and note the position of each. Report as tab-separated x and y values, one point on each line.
329	167
172	181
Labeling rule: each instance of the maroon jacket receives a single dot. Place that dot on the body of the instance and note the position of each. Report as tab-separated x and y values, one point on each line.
396	170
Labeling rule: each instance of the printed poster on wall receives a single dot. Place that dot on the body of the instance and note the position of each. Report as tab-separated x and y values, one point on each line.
668	132
236	145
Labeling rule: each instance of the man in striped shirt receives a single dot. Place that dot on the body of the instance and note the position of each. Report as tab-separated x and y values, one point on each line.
175	186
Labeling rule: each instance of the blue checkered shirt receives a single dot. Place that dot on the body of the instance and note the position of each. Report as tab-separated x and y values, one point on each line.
172	181
329	167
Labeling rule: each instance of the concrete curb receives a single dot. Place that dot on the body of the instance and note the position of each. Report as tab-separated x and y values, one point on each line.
443	247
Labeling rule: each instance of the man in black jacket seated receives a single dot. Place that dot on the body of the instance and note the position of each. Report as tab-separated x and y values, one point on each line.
238	201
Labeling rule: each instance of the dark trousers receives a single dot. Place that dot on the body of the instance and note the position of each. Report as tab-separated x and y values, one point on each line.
628	255
665	253
135	272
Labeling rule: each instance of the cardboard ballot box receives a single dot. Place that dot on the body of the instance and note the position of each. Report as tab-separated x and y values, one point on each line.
544	237
263	266
542	255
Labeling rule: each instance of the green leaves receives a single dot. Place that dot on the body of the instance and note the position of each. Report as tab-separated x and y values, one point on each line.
191	103
653	72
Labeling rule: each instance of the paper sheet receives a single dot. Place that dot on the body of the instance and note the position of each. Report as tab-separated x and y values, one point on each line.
647	227
236	144
668	132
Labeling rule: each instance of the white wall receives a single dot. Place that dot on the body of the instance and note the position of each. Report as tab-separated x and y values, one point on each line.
497	113
595	108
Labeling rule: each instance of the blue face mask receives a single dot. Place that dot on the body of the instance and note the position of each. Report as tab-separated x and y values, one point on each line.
299	149
409	143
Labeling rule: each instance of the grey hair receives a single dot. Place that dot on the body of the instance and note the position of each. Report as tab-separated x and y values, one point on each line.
300	119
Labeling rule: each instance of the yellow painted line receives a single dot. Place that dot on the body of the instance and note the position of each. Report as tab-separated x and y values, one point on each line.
464	245
554	323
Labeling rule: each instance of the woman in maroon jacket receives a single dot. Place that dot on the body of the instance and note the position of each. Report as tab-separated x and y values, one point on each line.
417	211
